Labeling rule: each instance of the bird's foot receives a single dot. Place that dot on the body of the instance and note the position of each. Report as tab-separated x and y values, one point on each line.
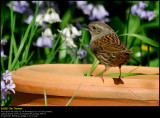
101	76
118	81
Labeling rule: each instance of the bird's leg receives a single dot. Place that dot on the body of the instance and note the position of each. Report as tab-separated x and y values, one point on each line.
101	75
118	80
119	71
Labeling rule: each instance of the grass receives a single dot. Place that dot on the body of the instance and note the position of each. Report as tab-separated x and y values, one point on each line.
127	74
45	95
2	65
30	28
55	50
94	65
73	96
144	39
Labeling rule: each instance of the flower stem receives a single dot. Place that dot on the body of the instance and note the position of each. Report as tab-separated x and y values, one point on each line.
2	65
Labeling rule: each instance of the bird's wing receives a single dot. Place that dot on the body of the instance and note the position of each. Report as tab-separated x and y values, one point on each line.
112	44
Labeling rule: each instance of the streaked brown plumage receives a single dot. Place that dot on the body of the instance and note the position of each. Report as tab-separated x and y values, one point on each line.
106	46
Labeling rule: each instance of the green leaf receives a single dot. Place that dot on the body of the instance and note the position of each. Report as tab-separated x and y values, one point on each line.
12	24
133	28
45	96
7	101
85	36
126	74
22	42
30	56
144	39
84	33
53	51
33	30
73	96
151	25
101	72
2	66
85	73
2	23
94	65
66	19
154	62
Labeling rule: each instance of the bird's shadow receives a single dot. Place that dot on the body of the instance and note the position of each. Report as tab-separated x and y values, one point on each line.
118	81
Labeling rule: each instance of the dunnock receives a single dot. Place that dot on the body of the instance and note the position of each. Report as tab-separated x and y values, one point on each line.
107	47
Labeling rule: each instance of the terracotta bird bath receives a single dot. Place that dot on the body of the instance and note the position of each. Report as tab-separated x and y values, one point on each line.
62	80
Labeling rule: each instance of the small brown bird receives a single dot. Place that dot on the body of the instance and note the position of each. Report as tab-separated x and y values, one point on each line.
107	47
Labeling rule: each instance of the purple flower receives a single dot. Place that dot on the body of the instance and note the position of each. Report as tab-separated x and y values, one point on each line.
96	12
86	8
7	85
29	19
78	25
2	84
2	52
81	4
71	2
138	9
3	41
82	53
10	86
20	7
151	15
142	5
134	9
99	13
44	42
88	46
40	3
7	76
4	91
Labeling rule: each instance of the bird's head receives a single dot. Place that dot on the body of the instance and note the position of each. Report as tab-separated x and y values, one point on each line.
98	29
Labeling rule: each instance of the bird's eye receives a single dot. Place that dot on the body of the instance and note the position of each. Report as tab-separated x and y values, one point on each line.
93	27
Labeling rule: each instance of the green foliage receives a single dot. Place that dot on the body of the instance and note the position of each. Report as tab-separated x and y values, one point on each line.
133	31
94	65
7	101
73	95
126	74
82	40
45	96
145	39
24	39
53	51
66	20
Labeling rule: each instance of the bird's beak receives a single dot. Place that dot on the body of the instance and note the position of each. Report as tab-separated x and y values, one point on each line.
86	27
